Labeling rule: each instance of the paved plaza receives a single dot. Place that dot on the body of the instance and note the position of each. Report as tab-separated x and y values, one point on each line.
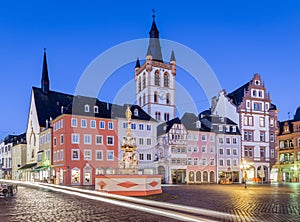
259	202
275	202
42	205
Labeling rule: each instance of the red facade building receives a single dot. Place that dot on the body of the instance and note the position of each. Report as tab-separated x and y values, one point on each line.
83	146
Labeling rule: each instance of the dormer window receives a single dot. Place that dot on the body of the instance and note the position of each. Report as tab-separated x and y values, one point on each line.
220	128
286	128
227	129
136	112
198	124
86	108
96	109
233	129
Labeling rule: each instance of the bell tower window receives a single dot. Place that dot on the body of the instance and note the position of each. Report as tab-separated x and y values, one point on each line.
157	78
155	96
139	84
144	81
166	79
168	99
157	115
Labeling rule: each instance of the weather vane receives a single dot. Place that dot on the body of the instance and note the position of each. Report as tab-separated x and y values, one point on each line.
153	13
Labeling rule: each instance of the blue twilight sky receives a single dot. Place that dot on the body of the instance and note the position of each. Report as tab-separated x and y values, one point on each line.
236	38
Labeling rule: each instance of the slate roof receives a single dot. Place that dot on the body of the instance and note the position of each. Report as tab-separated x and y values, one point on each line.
273	107
290	122
154	47
238	94
281	126
172	56
50	105
15	139
297	114
119	111
213	122
189	120
165	127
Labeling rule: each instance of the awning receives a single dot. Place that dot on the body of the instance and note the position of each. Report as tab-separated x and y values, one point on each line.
39	168
27	166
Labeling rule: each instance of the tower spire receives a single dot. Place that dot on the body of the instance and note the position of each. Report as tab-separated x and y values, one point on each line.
137	64
154	43
45	77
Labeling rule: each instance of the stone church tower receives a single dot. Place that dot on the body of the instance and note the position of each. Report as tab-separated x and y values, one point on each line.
155	81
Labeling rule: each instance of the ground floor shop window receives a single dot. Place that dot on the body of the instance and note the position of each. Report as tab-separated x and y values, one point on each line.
191	176
205	176
75	176
198	176
212	177
87	178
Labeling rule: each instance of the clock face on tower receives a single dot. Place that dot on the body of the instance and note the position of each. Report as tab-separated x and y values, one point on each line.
162	95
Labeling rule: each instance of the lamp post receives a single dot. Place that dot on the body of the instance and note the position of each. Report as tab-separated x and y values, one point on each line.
244	166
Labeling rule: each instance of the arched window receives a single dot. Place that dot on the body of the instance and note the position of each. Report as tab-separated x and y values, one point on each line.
166	116
86	108
205	176
166	79
144	99
157	78
157	115
144	81
191	176
168	99
155	96
212	176
140	101
198	176
139	84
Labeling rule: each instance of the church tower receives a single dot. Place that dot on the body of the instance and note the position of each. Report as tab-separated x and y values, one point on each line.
45	77
155	80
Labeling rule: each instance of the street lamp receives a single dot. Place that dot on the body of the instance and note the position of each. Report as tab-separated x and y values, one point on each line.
244	166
